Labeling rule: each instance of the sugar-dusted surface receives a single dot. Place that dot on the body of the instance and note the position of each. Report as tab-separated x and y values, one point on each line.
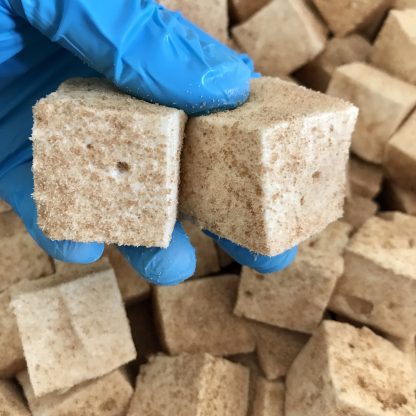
252	174
384	103
73	332
105	396
345	16
115	164
20	256
132	286
379	284
296	298
348	371
395	47
277	348
211	16
190	385
197	316
281	37
338	51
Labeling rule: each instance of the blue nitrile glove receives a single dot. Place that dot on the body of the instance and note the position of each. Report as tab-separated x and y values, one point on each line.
147	51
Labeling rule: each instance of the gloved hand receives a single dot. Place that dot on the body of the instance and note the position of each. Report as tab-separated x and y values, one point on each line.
145	50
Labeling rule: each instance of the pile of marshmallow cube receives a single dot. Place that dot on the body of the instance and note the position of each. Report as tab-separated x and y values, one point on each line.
335	333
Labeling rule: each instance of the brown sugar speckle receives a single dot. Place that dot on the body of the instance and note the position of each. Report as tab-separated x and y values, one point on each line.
91	195
341	379
233	172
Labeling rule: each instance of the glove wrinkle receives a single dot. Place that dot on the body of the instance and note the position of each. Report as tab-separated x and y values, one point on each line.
128	45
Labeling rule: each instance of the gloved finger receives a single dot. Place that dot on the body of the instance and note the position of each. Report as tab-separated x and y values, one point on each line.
206	38
260	263
16	187
145	49
164	266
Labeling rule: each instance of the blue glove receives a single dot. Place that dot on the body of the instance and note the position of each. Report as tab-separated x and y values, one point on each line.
146	51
